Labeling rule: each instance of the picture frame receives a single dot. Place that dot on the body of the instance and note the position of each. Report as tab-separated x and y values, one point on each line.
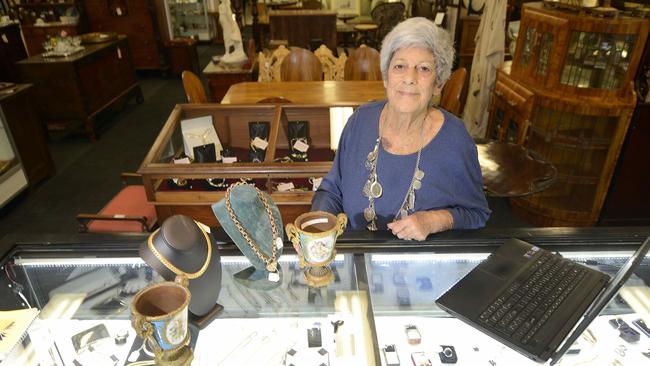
346	6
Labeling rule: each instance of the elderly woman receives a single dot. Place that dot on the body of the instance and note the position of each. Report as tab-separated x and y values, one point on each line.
403	164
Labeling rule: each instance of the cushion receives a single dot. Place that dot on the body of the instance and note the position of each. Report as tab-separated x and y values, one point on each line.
130	201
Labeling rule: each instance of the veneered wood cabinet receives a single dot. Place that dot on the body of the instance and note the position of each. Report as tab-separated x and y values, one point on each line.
27	132
139	20
76	88
12	49
579	71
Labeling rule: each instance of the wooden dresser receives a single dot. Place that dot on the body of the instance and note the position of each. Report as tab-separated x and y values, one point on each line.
300	26
138	19
76	88
27	132
12	49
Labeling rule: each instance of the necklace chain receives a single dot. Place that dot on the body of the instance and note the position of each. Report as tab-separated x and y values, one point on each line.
373	189
272	261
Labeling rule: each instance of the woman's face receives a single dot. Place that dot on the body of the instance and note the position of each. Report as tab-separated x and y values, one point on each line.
411	77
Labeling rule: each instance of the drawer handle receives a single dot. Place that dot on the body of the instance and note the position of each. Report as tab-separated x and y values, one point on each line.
498	92
511	102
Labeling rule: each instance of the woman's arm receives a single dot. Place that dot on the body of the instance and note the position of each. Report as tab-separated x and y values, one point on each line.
329	196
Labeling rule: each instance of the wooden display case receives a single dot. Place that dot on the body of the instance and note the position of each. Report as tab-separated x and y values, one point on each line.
12	49
231	123
579	70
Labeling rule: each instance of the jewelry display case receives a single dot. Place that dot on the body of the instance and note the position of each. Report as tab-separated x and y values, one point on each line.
569	97
283	171
383	293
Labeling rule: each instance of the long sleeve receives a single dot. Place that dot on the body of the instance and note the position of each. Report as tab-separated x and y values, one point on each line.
471	210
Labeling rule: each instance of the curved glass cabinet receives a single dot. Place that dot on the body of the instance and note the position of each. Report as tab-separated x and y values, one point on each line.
381	286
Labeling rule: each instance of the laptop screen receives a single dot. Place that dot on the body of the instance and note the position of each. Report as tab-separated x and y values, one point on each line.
604	298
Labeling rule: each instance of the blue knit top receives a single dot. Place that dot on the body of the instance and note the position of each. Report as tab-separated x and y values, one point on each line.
449	161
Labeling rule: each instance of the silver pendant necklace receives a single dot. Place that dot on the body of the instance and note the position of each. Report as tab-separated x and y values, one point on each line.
373	190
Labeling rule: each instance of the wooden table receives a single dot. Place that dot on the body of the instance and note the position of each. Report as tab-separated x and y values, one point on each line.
511	170
307	92
78	87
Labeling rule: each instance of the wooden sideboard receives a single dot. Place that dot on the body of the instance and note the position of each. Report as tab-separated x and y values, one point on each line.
298	27
76	88
140	20
16	103
12	49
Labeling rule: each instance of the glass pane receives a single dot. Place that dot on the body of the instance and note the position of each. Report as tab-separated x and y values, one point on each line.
597	60
529	39
188	18
403	290
83	300
512	132
498	122
544	53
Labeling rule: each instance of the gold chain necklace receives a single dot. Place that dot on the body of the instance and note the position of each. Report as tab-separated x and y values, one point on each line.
272	261
177	271
373	189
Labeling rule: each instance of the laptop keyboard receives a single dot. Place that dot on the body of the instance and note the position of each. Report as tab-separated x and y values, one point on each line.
525	306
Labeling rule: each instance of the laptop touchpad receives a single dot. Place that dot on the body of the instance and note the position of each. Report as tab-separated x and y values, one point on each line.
499	266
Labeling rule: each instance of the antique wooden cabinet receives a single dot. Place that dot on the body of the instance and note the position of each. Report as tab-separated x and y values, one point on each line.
27	132
577	70
299	27
12	49
76	88
140	20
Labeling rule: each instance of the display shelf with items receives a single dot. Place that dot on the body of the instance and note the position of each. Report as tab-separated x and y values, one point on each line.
569	97
188	18
42	20
284	150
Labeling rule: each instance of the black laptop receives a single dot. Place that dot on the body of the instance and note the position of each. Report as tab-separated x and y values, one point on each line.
530	299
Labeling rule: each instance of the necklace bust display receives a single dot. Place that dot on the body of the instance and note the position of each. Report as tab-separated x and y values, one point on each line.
254	224
180	247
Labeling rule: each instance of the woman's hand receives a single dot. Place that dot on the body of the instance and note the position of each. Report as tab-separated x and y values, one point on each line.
422	223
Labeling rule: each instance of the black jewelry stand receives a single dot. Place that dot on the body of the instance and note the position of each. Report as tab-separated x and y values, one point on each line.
182	243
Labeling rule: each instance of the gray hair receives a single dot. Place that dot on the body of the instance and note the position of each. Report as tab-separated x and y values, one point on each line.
423	33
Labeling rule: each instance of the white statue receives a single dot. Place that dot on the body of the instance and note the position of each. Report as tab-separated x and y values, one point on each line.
231	36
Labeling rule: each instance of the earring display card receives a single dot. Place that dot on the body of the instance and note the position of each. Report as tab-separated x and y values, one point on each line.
259	137
298	140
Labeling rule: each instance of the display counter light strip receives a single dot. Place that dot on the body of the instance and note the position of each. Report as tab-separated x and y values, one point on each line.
107	261
428	257
285	258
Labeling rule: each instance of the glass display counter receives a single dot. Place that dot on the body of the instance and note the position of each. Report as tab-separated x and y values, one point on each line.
383	294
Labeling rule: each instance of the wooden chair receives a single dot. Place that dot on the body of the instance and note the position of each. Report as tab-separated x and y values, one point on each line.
452	91
301	65
194	90
269	66
333	67
386	16
363	64
128	211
